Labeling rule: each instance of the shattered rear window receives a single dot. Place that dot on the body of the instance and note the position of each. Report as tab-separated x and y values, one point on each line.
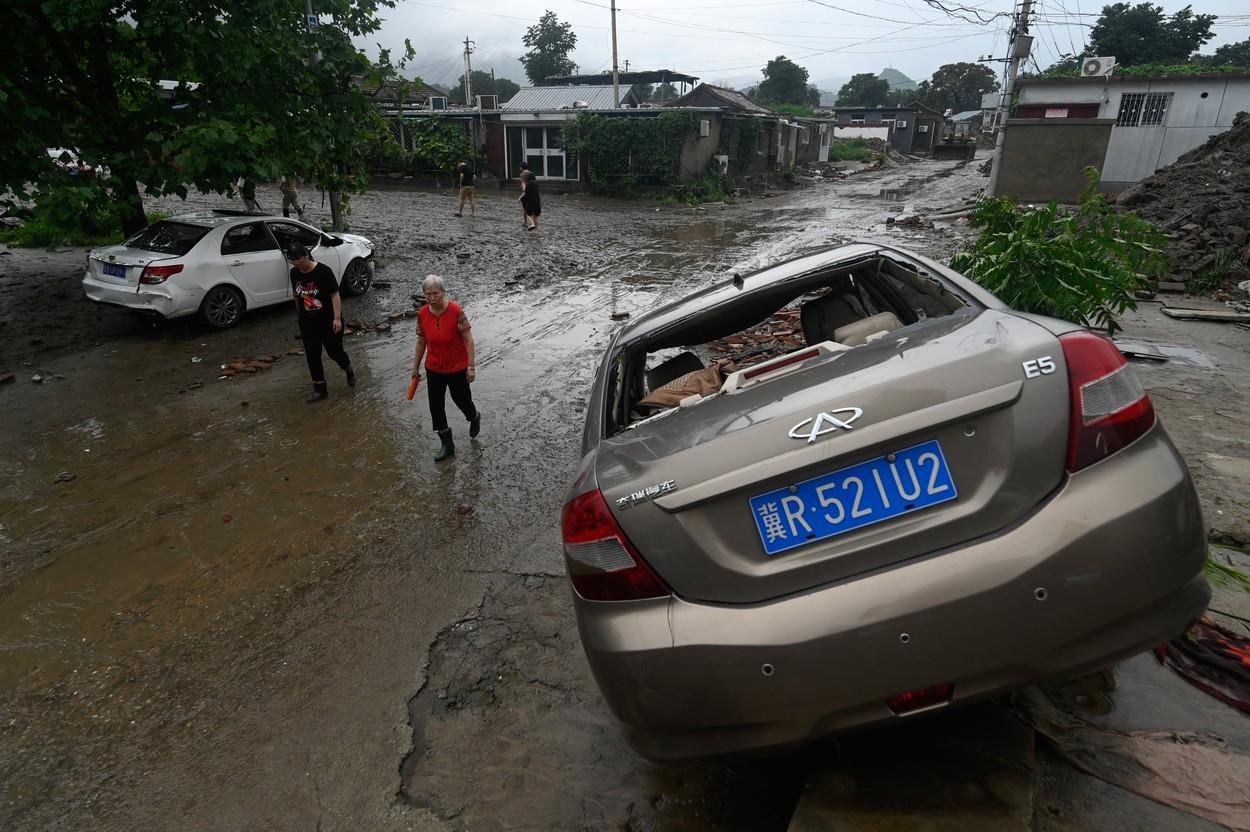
167	237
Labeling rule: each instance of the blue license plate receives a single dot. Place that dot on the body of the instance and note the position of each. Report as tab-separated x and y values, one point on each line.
114	270
854	497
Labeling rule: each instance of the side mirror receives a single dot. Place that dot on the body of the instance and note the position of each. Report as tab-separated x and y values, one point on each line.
327	240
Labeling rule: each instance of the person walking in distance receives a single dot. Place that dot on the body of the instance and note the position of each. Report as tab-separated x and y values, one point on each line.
465	177
289	186
320	317
531	201
247	187
445	341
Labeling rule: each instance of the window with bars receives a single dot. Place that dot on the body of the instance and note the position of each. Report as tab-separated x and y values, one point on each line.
1143	109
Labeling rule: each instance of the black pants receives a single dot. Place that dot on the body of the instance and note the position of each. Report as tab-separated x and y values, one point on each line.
317	331
438	384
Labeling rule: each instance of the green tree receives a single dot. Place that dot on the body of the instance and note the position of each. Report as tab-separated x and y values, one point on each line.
95	76
785	82
1233	54
484	84
1141	34
864	90
550	43
957	87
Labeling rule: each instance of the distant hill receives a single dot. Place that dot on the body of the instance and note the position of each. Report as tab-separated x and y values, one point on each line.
897	80
830	84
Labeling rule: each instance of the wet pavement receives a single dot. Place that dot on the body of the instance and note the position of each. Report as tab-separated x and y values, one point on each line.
221	608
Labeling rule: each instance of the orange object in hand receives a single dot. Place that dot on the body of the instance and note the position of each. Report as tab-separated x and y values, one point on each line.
412	387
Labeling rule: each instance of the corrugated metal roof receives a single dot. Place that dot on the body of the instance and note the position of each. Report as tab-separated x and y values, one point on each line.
966	115
563	98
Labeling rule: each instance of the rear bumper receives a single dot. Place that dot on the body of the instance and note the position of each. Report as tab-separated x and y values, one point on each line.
162	299
1117	553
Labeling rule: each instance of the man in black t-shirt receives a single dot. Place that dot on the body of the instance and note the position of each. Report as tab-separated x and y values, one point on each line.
465	177
320	317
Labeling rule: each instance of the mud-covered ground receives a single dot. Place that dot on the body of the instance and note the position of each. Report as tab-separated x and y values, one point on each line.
221	608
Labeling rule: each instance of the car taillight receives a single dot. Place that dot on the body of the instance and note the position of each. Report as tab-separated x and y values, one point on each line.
603	565
920	698
1109	407
159	274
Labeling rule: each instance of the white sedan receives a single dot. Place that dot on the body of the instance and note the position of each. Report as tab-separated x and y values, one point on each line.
218	264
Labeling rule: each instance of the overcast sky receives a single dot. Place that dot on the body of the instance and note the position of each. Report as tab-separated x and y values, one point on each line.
729	42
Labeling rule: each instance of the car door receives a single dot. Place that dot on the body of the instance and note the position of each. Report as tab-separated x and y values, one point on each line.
254	259
290	232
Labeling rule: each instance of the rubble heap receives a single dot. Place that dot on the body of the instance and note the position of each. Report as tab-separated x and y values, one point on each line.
1203	201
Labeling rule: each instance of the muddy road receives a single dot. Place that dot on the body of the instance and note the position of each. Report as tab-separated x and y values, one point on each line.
221	608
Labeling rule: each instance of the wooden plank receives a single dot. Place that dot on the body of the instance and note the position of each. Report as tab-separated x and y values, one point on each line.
1224	316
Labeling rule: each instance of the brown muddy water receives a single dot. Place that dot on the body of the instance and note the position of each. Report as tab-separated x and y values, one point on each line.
221	608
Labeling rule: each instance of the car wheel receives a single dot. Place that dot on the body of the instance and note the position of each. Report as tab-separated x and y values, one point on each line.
222	307
356	278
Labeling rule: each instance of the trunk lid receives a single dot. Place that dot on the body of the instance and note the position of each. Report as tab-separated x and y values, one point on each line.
681	485
121	266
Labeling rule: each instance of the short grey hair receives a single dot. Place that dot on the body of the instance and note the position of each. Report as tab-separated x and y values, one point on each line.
433	281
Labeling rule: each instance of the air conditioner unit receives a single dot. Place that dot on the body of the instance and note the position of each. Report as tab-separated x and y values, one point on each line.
438	102
1096	67
901	124
705	128
488	102
922	128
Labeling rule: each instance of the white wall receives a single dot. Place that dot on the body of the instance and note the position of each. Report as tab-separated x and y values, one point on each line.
860	132
1200	108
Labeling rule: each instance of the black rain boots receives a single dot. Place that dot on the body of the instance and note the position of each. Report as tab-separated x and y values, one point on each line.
475	424
448	448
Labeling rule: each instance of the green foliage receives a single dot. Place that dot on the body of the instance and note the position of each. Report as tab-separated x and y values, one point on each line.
73	212
801	110
1222	574
437	145
864	90
87	75
622	152
1141	34
1233	54
710	187
1071	68
957	87
1214	276
550	43
851	150
740	141
784	82
1083	265
484	84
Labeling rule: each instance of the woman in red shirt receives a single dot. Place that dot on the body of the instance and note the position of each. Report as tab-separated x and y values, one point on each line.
445	340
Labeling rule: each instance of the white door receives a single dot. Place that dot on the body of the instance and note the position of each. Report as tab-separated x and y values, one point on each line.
544	152
254	259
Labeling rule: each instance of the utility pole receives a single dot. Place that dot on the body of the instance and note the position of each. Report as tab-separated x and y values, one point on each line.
616	75
1021	42
627	64
494	88
468	71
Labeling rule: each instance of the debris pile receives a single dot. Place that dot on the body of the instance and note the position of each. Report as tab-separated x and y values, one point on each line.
777	335
909	221
822	171
241	366
1203	201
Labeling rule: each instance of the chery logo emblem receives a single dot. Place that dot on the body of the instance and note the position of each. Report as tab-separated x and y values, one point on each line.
824	422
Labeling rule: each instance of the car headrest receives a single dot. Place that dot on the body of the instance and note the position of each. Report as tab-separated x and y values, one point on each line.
821	317
861	332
